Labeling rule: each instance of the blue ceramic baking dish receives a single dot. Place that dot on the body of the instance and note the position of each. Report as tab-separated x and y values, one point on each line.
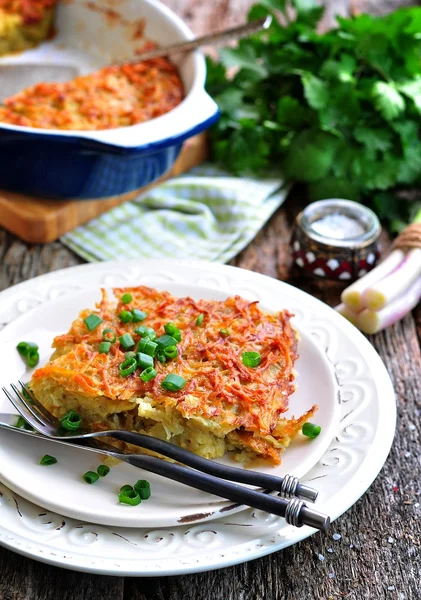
101	164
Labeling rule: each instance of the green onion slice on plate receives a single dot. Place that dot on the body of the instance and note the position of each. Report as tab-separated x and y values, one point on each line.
90	477
311	430
143	488
48	460
251	359
103	470
171	352
148	374
147	346
126	341
29	353
173	383
173	331
71	421
127	367
92	322
144	360
125	316
108	335
130	497
138	315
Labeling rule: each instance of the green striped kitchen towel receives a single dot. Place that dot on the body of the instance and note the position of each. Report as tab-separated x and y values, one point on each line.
206	214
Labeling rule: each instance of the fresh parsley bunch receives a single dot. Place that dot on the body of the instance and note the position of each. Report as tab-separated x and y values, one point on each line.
339	111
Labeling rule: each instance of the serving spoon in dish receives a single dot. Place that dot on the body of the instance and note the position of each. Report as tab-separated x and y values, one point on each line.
17	76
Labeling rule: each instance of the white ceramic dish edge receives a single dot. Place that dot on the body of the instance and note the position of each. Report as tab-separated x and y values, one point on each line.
162	25
342	493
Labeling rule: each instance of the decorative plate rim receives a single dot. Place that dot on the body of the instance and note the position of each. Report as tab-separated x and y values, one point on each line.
359	449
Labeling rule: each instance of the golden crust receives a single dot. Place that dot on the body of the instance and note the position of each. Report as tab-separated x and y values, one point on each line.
24	23
234	406
30	11
109	98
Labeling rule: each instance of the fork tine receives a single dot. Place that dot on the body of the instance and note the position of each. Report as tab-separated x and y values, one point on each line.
49	417
21	398
24	412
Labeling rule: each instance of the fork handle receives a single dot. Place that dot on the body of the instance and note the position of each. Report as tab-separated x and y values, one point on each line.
294	511
288	486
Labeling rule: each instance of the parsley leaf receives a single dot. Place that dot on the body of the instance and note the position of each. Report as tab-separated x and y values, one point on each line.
387	100
310	156
374	138
338	111
316	91
412	89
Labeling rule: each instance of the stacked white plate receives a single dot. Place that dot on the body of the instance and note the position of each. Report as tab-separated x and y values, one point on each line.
50	514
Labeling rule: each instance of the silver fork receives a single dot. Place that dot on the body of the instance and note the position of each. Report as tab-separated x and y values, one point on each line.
44	422
293	510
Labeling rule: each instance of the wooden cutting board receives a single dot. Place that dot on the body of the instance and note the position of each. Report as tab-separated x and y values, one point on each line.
39	221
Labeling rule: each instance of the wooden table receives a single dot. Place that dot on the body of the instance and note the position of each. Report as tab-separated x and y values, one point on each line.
379	553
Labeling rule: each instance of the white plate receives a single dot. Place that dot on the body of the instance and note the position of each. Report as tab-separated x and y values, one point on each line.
360	444
173	503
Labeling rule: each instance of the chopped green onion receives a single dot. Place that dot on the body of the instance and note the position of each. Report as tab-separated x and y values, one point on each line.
25	347
165	340
148	374
126	298
171	329
71	421
161	357
127	367
103	470
147	346
90	477
251	359
33	358
27	396
92	322
108	335
125	316
130	354
145	332
29	353
47	460
130	497
310	430
126	341
171	352
144	360
173	383
138	315
143	488
142	331
126	488
104	347
199	319
20	423
224	332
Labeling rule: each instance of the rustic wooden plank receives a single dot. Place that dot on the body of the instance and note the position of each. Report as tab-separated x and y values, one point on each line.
383	527
379	551
25	579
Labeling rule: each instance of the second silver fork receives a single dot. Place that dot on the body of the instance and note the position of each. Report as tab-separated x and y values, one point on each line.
46	424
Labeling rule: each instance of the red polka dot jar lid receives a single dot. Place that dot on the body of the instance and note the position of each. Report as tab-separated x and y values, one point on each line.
336	239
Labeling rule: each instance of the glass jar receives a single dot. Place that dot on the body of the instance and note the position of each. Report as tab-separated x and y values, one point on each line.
336	239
